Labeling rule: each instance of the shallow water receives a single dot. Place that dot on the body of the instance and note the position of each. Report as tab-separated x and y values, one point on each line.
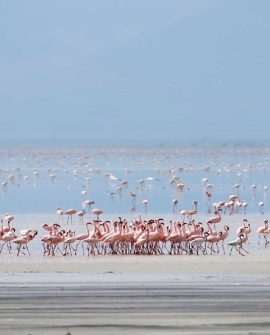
38	180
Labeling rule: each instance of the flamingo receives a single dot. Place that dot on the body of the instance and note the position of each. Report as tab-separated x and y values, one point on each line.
238	243
70	239
7	238
193	211
241	228
59	213
53	243
9	217
97	212
84	236
133	202
5	229
215	219
262	229
175	203
69	213
214	239
92	242
261	205
24	240
81	215
208	197
89	204
223	236
244	205
145	202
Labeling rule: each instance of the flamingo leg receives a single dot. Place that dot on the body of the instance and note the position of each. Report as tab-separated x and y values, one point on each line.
2	247
223	247
27	249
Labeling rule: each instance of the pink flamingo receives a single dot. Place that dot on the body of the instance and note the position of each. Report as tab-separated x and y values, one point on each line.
7	238
9	217
81	215
97	212
6	229
215	219
84	236
262	229
69	240
24	240
92	242
89	204
53	243
70	213
193	211
214	239
223	236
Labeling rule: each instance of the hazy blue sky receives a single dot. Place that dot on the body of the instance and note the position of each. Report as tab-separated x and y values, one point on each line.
127	70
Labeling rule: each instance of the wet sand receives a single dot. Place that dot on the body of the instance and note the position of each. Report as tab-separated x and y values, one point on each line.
142	309
142	295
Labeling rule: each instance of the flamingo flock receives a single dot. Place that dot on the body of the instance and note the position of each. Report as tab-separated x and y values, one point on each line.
137	237
8	237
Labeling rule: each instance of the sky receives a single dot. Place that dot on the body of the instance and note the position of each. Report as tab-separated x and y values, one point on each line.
125	71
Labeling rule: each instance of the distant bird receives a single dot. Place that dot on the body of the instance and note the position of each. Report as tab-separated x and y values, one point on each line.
175	203
60	215
244	205
261	205
69	213
193	211
133	201
81	215
89	203
97	212
145	202
208	197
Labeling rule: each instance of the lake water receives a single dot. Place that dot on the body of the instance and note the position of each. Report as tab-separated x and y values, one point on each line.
38	180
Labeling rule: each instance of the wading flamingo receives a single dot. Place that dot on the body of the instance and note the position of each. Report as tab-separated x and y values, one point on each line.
70	213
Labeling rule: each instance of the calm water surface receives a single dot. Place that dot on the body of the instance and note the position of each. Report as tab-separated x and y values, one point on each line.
38	180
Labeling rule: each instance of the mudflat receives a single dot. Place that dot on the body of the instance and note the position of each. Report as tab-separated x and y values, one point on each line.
137	295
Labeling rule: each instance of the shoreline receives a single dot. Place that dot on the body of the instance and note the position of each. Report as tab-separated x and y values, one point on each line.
106	269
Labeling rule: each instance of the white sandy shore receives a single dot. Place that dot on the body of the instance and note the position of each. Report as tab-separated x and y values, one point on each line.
155	269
